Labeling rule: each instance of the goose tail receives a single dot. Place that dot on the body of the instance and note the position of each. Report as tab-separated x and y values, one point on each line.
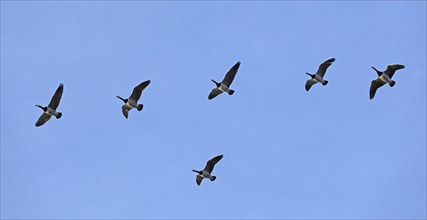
140	107
213	178
59	115
392	83
230	92
325	82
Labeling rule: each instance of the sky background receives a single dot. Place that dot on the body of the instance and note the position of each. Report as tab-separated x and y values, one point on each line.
288	153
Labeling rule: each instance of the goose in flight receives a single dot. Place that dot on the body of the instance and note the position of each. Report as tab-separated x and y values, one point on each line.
318	77
50	110
224	86
383	78
206	172
132	101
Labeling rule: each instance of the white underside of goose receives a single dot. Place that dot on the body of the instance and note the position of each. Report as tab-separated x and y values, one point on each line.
385	78
50	111
223	88
131	104
319	79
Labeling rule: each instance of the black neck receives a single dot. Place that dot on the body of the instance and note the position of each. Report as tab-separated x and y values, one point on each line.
44	108
199	172
378	72
216	83
124	100
312	75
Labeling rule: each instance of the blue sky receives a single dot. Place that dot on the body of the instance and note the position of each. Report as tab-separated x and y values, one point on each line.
328	153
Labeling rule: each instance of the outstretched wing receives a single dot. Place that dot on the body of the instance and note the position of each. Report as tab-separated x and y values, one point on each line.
391	69
229	77
324	66
125	110
43	119
375	84
136	93
309	83
211	163
199	179
214	93
56	98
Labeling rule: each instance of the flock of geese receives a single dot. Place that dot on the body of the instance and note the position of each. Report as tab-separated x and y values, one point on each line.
130	103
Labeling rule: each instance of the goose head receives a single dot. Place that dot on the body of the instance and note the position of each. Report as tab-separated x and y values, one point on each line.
44	108
216	83
379	72
199	172
124	100
311	75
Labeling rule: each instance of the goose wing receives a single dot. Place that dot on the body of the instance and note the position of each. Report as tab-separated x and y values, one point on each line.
56	98
43	119
211	163
309	83
199	179
391	69
214	93
324	66
375	84
125	110
229	77
136	93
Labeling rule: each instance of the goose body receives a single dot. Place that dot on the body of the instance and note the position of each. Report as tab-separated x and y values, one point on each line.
224	86
53	112
50	110
206	172
318	77
132	101
384	78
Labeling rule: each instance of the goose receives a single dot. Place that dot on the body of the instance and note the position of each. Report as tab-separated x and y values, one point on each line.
383	78
132	101
224	86
318	77
206	172
50	110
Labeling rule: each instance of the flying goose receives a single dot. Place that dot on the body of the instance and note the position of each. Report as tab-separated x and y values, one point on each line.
50	110
226	82
383	78
132	101
318	77
206	172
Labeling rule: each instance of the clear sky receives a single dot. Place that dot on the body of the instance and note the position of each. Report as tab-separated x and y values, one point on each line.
327	153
